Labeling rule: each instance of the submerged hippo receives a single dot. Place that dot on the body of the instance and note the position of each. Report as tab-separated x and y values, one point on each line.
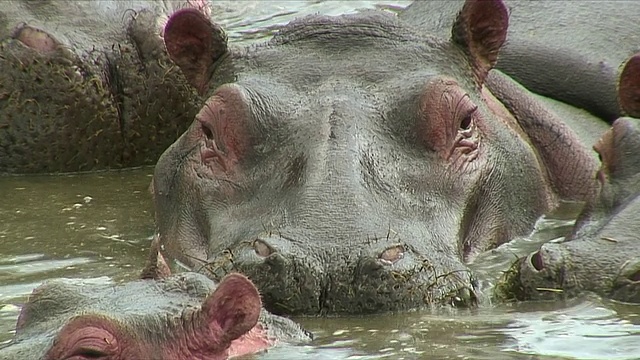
356	164
602	254
87	85
178	317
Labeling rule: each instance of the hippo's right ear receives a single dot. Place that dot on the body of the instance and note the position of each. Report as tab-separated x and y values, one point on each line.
629	87
194	43
480	30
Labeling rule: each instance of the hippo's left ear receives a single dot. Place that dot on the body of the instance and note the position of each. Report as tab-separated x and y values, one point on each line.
629	87
480	30
194	43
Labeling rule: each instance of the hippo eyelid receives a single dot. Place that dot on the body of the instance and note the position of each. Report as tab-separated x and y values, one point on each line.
90	353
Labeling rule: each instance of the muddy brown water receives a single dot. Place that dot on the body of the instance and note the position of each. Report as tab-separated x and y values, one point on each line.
98	227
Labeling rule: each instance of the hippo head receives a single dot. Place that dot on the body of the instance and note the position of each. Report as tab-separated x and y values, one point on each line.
602	253
350	164
179	317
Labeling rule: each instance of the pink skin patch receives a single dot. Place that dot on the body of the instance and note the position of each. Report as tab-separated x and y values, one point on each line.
449	122
84	338
36	39
256	340
224	134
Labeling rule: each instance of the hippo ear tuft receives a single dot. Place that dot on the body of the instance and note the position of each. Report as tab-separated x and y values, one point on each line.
629	87
480	30
235	306
194	43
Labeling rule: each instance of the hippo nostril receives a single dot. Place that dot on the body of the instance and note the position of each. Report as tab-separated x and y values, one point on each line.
536	261
262	248
465	297
635	276
392	254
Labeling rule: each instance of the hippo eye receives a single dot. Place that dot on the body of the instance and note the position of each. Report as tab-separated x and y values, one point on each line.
206	131
465	124
83	353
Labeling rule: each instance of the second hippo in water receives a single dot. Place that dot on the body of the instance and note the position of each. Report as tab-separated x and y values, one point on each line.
602	254
165	317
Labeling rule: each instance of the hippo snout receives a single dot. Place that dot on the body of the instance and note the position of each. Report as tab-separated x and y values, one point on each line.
545	273
306	277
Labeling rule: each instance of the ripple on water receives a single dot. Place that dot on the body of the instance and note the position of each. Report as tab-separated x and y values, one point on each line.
587	330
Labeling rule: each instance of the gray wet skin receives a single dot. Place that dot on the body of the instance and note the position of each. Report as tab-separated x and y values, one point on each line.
87	85
178	317
355	164
602	254
569	53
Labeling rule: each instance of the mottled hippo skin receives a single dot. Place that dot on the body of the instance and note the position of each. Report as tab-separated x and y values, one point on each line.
602	254
163	317
87	85
355	164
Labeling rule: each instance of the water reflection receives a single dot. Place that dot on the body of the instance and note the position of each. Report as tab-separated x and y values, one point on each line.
97	227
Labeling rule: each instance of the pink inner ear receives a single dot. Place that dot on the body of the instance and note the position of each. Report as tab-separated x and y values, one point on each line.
234	306
481	29
629	88
194	43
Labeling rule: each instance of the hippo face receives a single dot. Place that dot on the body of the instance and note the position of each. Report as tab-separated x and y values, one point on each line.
349	165
184	316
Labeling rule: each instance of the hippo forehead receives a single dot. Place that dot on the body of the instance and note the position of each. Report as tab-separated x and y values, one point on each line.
364	50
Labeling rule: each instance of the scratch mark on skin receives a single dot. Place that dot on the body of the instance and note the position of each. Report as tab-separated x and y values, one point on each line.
610	239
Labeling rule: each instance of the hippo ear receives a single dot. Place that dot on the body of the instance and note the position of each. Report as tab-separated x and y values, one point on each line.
234	307
629	87
480	30
156	267
194	43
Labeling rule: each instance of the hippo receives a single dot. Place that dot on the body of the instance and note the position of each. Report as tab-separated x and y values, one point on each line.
161	316
89	91
97	90
602	252
357	164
